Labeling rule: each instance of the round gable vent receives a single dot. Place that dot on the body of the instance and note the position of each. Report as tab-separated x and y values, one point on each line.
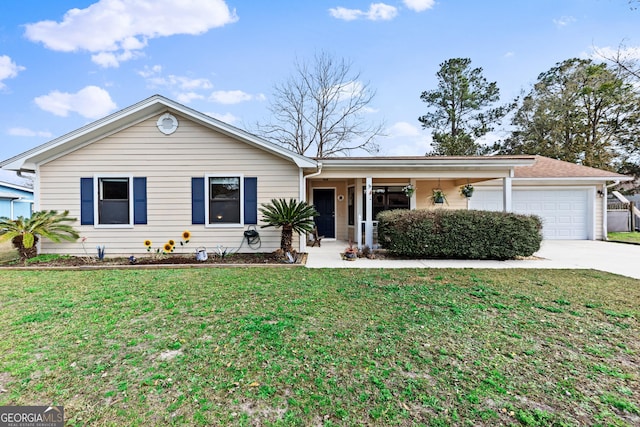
167	123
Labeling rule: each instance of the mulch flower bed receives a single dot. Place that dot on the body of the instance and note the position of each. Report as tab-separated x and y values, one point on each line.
238	258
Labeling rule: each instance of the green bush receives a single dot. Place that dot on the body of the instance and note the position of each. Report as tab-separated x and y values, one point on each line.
459	234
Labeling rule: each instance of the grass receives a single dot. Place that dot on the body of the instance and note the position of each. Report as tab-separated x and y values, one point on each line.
7	253
630	237
298	347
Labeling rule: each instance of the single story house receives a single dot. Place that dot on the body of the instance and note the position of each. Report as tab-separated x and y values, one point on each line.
16	195
157	168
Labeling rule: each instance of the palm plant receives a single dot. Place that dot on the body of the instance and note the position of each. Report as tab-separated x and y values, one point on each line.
24	233
291	216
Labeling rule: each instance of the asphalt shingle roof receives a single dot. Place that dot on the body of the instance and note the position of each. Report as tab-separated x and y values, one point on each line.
545	167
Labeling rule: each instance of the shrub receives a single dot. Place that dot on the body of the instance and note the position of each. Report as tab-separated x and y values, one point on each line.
459	234
25	233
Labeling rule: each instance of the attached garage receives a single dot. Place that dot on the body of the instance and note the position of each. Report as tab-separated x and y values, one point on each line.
565	212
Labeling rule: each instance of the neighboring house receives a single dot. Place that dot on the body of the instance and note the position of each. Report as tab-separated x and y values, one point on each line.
157	168
16	195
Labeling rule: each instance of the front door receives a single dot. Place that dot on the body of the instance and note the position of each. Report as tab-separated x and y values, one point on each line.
324	200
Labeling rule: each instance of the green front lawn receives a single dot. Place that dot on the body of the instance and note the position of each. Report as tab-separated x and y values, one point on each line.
264	346
7	253
631	237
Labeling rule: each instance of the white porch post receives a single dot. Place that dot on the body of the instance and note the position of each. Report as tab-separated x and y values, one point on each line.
359	211
605	225
302	184
507	195
368	225
412	200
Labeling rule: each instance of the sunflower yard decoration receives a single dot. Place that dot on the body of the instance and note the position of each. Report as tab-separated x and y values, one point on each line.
169	246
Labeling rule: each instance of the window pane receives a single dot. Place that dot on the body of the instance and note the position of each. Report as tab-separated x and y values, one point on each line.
386	198
224	200
113	201
224	188
114	188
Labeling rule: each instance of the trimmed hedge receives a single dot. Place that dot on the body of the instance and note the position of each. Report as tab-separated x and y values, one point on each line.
459	234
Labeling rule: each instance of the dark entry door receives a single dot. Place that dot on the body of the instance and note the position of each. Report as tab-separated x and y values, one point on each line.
324	200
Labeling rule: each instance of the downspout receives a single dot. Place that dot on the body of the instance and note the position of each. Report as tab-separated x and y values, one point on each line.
303	198
11	207
303	190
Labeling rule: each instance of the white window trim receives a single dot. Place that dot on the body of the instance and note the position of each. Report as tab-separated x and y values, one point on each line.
96	200
207	224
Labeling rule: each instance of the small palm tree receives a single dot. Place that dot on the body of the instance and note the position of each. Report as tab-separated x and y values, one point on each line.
291	216
24	233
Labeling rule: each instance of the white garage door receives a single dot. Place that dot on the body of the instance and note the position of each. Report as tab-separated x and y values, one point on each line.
564	213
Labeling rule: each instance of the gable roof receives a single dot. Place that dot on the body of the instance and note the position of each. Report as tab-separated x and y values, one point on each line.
136	113
12	180
548	168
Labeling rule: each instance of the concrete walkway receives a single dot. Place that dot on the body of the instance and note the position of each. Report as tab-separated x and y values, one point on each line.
612	257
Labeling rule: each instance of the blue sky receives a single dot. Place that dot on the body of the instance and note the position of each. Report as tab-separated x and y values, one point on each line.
66	63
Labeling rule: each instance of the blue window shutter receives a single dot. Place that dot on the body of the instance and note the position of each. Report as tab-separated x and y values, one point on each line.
251	200
197	200
86	201
139	200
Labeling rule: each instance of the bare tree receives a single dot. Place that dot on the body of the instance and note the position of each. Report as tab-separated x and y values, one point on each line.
321	109
626	59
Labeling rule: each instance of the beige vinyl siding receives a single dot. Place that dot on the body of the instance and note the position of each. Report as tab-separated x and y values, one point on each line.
168	162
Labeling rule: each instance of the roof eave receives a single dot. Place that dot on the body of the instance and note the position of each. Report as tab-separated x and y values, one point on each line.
487	162
575	178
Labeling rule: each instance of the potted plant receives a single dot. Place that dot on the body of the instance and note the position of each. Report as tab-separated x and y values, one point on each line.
466	190
408	190
350	253
438	196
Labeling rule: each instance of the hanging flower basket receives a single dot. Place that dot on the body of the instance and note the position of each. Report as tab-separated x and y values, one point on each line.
408	190
438	196
466	190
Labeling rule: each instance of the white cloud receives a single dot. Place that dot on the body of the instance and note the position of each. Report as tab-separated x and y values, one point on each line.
184	89
349	90
91	102
29	132
150	71
117	30
180	82
405	139
345	14
112	60
376	12
509	54
234	97
8	69
224	117
187	97
625	53
419	5
564	21
400	129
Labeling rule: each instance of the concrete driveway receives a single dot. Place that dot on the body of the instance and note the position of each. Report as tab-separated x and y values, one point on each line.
618	258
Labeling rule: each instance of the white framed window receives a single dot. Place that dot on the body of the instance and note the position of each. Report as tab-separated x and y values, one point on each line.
113	206
224	205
